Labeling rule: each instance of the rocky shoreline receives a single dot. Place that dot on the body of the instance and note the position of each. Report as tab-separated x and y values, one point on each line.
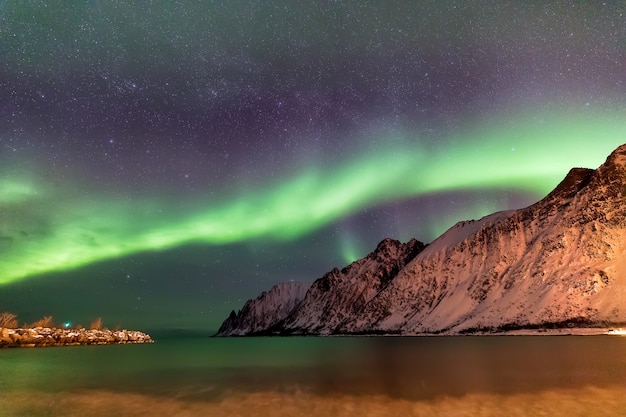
45	336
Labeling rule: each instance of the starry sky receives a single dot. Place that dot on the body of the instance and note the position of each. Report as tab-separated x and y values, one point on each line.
163	161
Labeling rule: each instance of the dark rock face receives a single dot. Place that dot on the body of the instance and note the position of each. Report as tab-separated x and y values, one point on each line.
560	260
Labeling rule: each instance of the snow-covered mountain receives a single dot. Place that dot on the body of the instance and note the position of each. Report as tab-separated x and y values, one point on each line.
559	262
266	310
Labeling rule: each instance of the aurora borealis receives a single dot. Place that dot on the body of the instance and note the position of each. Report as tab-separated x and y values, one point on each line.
161	153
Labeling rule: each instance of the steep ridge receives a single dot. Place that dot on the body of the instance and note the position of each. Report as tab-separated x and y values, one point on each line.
558	262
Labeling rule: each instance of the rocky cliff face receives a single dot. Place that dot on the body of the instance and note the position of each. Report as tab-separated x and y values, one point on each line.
265	311
558	262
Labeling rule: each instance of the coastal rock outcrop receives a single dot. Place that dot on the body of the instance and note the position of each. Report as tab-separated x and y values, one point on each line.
45	336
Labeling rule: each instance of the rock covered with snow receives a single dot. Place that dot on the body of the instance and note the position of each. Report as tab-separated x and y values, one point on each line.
558	262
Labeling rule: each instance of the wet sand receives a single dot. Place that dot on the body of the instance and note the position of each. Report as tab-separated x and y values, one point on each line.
587	401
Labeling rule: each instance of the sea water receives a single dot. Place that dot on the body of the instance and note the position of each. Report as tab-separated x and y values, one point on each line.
311	376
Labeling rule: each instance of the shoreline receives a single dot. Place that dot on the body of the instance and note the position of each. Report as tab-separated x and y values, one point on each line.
574	331
570	331
49	337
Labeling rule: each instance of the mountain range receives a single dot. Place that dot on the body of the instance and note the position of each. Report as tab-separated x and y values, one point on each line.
557	263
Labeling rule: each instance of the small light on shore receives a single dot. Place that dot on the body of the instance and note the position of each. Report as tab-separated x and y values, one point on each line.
67	324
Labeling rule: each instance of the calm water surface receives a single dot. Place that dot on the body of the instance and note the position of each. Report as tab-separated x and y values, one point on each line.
514	375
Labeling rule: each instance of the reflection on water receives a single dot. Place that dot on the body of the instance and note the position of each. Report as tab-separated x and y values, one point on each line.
471	376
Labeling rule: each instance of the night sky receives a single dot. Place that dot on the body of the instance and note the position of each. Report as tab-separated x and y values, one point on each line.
163	161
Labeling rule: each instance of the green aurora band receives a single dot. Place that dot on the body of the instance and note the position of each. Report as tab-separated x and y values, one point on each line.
44	230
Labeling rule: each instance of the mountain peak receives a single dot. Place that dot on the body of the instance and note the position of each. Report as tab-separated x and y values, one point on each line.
609	181
615	163
619	154
575	180
390	248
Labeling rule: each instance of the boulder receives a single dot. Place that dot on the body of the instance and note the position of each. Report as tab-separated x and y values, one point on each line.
4	335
